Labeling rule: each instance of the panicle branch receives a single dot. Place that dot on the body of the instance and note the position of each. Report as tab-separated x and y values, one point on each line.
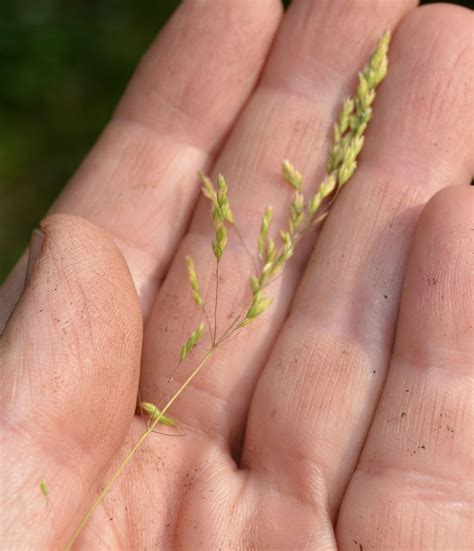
348	140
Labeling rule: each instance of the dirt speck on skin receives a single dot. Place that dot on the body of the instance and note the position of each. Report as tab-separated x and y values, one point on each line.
422	447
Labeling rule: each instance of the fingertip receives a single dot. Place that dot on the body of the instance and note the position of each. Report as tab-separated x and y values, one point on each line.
450	209
82	250
436	313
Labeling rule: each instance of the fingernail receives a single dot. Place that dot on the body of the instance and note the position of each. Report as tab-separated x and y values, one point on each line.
36	242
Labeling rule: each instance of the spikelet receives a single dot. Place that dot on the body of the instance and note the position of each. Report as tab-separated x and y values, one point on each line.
193	281
193	339
154	413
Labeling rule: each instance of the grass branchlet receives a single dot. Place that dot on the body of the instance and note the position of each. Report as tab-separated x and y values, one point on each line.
220	211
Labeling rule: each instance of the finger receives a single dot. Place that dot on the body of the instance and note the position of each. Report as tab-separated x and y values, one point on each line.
289	115
315	399
70	363
417	462
139	181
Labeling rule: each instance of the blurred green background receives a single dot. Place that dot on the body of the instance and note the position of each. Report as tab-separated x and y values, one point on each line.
63	66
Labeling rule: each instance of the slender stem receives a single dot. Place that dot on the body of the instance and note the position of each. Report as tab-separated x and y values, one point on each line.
244	245
132	452
229	336
173	373
172	376
208	321
229	330
215	305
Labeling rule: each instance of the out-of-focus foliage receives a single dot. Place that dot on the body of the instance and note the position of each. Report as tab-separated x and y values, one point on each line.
63	66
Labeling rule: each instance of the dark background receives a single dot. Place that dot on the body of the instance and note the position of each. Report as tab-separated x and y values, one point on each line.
63	66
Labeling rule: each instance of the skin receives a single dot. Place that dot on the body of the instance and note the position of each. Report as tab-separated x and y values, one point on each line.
343	417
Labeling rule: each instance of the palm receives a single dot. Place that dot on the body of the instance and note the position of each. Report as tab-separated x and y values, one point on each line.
282	440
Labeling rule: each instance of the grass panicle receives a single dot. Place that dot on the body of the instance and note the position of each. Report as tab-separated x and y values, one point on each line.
348	140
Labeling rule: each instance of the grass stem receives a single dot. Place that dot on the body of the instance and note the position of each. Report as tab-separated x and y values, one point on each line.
131	453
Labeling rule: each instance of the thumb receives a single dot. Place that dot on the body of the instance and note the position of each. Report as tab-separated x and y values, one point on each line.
70	358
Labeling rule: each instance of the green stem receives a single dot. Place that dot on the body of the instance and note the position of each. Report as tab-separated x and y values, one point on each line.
131	453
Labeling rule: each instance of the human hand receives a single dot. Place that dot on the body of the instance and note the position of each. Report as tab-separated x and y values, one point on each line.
327	423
